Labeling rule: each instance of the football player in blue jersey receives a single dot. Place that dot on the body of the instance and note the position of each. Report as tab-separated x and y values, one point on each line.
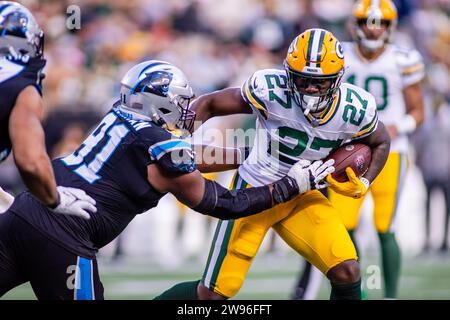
21	112
127	164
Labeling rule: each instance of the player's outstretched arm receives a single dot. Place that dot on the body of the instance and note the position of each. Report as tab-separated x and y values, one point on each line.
220	103
210	198
380	143
28	144
218	159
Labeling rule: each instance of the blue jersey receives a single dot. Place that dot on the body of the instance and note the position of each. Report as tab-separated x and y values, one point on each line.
14	77
111	166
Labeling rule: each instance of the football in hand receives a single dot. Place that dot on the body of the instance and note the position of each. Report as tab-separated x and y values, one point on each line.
354	155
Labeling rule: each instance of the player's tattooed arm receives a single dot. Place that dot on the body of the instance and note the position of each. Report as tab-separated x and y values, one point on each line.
28	143
220	103
380	143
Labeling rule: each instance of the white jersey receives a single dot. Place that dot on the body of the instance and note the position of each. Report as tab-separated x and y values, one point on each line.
385	78
284	135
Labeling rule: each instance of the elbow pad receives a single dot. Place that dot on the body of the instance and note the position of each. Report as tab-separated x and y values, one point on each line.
227	204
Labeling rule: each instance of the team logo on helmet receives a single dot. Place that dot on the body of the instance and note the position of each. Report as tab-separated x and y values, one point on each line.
14	22
339	50
156	82
292	46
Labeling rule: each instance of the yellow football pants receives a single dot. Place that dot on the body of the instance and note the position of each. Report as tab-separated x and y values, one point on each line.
385	190
309	224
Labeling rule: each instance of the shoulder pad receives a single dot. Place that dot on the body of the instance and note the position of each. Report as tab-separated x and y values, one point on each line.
174	155
259	89
409	61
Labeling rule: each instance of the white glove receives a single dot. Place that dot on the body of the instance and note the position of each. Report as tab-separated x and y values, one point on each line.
310	176
6	200
73	201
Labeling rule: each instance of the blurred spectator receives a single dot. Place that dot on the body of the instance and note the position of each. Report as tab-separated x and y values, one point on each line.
268	31
72	137
433	158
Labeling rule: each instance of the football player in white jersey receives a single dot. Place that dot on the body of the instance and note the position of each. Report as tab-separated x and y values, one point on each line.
393	76
303	112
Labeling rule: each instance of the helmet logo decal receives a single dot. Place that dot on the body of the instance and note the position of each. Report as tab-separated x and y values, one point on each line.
156	82
339	50
21	33
293	45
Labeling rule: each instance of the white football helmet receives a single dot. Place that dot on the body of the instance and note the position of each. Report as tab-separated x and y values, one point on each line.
157	91
20	35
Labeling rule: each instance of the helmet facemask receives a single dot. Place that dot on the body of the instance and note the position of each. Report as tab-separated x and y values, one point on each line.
373	22
187	117
313	93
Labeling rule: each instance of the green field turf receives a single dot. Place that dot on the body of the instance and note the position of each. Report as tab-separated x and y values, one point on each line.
271	277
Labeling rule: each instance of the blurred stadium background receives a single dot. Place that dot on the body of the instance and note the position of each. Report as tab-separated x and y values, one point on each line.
218	44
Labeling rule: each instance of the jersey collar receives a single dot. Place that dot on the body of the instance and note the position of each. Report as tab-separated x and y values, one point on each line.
364	59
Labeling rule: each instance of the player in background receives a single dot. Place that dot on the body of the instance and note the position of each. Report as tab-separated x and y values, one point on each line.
21	113
127	164
393	75
303	112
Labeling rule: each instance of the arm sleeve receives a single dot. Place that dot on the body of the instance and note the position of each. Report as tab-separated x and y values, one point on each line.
237	203
226	204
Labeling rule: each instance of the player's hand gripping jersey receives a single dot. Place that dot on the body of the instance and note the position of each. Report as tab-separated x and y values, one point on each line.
385	78
284	135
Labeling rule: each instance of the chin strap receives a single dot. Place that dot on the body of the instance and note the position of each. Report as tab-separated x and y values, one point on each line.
307	111
314	121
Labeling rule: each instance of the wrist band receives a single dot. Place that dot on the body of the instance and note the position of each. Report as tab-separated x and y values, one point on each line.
407	125
365	182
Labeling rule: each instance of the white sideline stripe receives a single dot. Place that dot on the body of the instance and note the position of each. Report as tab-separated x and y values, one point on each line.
215	254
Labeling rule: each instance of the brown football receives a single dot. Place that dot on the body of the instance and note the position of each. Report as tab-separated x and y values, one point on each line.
354	155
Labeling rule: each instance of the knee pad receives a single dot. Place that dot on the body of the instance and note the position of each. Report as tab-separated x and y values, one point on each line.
230	286
247	241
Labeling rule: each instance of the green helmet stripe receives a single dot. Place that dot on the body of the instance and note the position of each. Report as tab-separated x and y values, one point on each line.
320	50
310	42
